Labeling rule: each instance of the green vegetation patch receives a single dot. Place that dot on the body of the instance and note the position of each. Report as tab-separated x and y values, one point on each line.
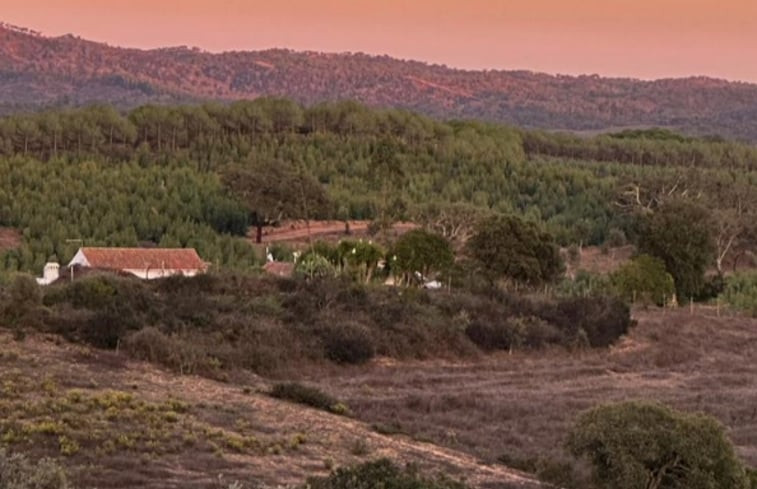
68	423
383	474
309	396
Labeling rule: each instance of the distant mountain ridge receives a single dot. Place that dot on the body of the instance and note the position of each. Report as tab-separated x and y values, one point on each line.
38	71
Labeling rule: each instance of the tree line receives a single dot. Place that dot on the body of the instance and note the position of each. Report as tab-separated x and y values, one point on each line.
271	159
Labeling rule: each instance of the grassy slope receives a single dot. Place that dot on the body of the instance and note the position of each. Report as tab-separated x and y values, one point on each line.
117	423
522	405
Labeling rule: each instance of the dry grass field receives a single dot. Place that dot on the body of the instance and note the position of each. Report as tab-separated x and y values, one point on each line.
115	423
518	407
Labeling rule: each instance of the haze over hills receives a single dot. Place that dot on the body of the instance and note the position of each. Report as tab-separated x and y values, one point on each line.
38	71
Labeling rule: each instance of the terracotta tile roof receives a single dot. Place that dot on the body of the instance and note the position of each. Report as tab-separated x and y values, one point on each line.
143	258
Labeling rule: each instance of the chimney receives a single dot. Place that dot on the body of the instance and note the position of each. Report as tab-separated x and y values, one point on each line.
51	273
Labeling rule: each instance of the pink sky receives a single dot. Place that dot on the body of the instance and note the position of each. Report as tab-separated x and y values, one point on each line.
639	38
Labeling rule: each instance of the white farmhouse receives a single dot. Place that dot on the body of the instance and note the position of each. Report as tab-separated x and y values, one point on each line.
145	263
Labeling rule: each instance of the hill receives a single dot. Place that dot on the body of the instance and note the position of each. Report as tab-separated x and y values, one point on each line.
518	408
43	71
116	423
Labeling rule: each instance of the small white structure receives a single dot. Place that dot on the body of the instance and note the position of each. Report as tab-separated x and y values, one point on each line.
145	263
50	274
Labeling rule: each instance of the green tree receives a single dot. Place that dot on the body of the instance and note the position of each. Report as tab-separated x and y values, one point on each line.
505	246
635	445
644	279
421	251
681	234
273	190
360	256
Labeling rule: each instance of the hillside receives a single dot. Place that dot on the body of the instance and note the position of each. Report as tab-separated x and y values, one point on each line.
116	423
518	408
41	71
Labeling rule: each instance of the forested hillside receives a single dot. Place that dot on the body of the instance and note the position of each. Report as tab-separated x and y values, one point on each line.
39	71
199	175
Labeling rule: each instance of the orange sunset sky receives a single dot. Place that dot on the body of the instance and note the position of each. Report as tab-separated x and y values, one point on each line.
639	38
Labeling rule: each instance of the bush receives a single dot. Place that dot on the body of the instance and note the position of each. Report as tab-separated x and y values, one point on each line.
423	252
584	284
281	252
713	286
18	472
741	292
513	333
644	279
601	319
308	396
639	444
381	474
313	266
616	237
115	305
21	307
348	343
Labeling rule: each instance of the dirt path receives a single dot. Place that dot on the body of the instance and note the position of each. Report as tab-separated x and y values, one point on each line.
299	231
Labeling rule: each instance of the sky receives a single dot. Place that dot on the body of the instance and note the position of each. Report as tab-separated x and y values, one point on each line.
638	38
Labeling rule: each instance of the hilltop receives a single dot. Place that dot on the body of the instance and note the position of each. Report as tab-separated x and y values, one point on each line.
45	71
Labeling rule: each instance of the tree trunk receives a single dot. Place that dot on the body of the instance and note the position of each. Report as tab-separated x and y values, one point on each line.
258	234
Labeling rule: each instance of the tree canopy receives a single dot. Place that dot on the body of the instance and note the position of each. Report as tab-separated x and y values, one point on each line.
635	445
507	247
681	234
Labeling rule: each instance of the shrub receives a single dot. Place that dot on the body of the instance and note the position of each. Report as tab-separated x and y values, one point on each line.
741	292
348	343
639	444
116	306
562	473
382	474
308	396
18	472
584	284
149	344
423	252
22	305
616	237
644	279
601	319
324	249
514	333
713	286
281	252
313	266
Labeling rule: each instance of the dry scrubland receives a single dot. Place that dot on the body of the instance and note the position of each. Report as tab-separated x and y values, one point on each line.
116	423
520	407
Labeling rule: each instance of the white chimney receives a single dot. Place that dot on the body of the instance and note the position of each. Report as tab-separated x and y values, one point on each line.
50	274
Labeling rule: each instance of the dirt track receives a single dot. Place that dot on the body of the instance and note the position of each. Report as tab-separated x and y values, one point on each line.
298	231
